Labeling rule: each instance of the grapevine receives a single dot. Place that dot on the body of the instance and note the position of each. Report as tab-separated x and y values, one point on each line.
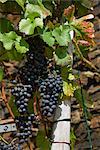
44	76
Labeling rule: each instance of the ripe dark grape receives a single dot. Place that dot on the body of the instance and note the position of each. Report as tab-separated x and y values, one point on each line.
22	95
24	126
50	88
34	68
11	146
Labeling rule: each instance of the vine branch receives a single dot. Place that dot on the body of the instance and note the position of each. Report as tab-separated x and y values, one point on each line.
83	58
5	99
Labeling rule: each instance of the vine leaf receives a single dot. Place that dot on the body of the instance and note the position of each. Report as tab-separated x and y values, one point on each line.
26	26
35	10
68	89
61	52
5	25
8	39
21	48
12	39
45	11
38	22
7	43
47	37
62	36
71	77
64	61
1	74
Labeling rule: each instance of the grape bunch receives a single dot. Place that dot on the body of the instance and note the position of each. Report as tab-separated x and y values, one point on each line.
4	146
24	125
22	95
33	69
50	88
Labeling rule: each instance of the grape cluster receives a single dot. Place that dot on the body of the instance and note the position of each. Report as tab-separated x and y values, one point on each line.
4	146
24	125
50	88
22	95
34	68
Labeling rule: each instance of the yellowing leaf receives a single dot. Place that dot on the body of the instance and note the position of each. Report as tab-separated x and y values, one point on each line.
71	77
68	89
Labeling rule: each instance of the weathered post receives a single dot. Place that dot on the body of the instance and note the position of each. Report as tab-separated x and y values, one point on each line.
61	128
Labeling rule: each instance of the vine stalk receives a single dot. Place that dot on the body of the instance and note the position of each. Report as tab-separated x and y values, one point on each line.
5	100
82	57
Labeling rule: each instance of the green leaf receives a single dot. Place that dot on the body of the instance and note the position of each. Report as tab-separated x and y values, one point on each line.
21	3
32	1
65	73
13	106
41	141
47	37
5	25
37	9
73	139
66	61
22	47
49	52
62	36
27	26
3	1
1	74
10	55
12	39
7	42
9	39
61	52
38	22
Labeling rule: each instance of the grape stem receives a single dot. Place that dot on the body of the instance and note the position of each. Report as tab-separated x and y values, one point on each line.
1	138
43	121
30	145
34	105
5	99
82	57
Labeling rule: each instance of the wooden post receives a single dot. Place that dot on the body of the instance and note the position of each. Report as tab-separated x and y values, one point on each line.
61	128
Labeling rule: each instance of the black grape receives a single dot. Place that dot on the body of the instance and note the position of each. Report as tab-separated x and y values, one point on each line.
24	125
22	95
11	146
50	88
